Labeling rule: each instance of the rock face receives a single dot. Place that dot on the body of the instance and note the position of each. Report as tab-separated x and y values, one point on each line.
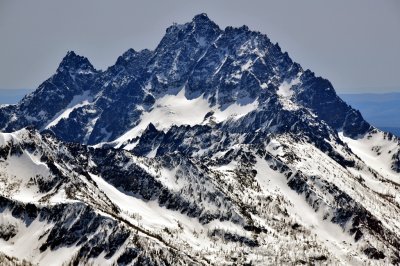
215	146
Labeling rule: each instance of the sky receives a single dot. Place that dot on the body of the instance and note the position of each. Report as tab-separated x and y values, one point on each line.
353	43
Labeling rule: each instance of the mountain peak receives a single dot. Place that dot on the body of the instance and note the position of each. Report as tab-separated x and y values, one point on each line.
126	56
129	53
73	62
133	59
132	53
204	22
201	17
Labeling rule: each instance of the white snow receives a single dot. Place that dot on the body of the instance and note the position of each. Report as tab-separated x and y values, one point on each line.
375	151
284	89
76	102
313	162
285	93
330	234
89	128
21	170
128	147
247	65
234	111
26	244
152	215
18	173
178	110
4	138
187	233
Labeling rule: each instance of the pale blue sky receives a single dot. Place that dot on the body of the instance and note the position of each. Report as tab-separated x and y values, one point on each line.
355	44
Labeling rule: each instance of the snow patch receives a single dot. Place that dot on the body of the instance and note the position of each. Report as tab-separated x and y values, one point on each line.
178	110
285	94
330	234
376	151
76	102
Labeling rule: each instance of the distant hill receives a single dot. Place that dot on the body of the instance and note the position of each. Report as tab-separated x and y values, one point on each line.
381	110
12	96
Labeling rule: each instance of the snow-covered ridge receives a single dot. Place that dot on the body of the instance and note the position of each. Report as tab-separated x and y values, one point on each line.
272	195
178	110
285	94
378	150
76	102
14	137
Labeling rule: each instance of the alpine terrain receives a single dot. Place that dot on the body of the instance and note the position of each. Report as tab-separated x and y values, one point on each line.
214	148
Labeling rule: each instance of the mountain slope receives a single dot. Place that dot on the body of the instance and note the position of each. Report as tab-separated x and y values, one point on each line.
215	146
244	197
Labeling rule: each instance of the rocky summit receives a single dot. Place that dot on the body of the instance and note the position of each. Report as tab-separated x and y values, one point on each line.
214	148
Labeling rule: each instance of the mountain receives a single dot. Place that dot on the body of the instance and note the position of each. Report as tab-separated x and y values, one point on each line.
214	147
226	68
379	109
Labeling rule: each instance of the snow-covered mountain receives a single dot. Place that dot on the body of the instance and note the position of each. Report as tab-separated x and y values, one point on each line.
214	148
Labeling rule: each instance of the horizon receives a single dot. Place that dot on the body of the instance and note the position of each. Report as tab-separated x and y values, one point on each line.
366	92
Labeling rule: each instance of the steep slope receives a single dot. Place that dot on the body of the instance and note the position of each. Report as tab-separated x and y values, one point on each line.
244	199
121	217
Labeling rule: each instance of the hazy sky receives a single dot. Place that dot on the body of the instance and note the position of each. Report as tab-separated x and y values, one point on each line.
353	43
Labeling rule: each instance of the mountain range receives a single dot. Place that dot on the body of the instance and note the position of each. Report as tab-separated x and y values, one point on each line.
215	147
